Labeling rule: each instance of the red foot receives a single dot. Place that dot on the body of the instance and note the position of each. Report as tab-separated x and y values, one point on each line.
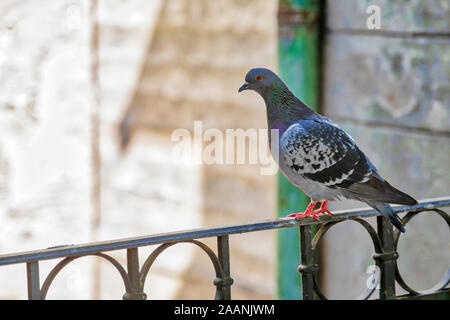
323	209
309	212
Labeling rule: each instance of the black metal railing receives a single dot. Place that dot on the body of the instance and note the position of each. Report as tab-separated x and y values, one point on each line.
384	239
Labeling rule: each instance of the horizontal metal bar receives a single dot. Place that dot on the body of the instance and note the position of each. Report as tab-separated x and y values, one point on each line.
103	246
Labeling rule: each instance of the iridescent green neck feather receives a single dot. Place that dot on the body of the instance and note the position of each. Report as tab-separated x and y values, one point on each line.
283	108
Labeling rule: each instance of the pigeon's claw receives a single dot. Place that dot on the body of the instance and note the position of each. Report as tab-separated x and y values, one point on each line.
323	209
309	212
305	214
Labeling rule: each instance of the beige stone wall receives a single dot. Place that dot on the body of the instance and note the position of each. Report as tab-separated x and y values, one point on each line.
44	135
198	58
163	64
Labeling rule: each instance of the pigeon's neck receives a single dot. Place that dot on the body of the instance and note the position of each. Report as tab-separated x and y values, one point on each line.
283	108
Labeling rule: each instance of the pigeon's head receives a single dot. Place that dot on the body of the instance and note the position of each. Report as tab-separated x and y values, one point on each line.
260	80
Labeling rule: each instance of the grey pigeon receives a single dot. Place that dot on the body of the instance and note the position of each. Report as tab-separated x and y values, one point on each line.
317	156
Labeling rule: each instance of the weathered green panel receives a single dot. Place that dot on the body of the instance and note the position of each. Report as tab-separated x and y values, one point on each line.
396	15
309	5
300	71
298	67
398	81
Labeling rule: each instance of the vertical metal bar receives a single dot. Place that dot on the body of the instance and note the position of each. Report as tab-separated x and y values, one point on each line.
387	264
307	263
34	291
223	249
298	63
137	292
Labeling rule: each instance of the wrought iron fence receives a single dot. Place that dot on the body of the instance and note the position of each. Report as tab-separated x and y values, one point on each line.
384	238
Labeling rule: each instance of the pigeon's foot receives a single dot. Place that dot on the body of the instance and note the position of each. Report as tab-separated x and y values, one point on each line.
309	212
323	209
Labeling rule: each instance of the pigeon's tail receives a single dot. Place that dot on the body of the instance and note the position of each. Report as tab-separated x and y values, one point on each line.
396	196
386	210
376	189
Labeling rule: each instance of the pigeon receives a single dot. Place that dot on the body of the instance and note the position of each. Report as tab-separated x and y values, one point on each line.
317	156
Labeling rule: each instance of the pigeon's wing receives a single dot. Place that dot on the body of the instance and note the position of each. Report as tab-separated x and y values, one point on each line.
322	152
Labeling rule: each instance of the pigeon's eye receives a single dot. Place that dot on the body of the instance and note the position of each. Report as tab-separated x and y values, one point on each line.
258	77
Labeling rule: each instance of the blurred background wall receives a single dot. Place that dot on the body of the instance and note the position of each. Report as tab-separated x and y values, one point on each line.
164	64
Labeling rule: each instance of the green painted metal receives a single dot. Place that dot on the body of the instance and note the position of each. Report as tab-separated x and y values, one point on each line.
298	49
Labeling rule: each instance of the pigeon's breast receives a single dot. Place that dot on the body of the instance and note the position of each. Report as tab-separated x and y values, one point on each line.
315	190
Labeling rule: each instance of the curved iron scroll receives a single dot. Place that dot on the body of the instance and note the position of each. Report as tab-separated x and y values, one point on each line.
221	279
379	256
445	280
314	268
55	271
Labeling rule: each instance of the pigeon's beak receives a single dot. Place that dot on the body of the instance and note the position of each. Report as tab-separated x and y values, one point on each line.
244	86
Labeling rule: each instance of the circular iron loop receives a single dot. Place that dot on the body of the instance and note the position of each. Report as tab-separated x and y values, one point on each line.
445	280
54	272
224	281
316	242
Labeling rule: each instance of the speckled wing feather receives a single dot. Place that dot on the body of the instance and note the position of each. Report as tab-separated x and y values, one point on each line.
322	152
